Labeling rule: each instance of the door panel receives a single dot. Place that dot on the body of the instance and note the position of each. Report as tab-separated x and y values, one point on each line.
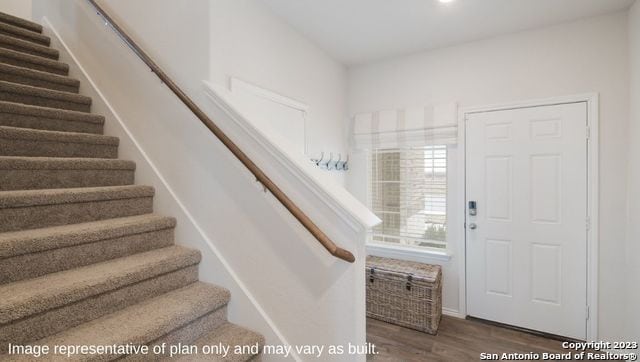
527	257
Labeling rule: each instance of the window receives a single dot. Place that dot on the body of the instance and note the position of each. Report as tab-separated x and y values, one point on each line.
408	192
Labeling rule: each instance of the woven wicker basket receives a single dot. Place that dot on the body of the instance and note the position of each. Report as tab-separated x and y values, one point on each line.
404	293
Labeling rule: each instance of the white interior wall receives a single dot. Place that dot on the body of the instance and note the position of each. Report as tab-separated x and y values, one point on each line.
249	43
633	220
19	8
291	278
590	55
243	39
175	35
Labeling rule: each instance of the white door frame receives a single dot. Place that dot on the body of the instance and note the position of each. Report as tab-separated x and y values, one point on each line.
592	198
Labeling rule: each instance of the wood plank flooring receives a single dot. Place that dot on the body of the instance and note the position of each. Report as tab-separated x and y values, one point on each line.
457	340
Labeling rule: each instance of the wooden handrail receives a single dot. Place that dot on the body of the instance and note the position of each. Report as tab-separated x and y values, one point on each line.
328	244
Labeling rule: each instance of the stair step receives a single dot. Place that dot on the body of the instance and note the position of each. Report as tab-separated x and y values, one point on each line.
38	143
34	209
24	34
161	318
89	292
27	297
27	47
25	60
54	321
36	96
16	21
36	78
23	242
32	253
230	335
33	173
51	119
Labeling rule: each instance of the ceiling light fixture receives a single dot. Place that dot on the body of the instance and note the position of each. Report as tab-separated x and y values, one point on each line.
446	1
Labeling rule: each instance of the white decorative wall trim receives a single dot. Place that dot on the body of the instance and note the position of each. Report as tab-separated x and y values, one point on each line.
294	130
237	84
343	205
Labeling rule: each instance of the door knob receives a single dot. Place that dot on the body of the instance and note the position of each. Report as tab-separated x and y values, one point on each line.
473	226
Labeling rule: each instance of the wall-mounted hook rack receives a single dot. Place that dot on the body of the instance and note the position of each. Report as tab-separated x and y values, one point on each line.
330	164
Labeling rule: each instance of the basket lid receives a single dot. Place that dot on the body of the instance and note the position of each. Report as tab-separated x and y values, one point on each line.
427	272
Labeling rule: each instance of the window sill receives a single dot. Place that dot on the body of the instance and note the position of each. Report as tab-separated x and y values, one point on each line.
407	253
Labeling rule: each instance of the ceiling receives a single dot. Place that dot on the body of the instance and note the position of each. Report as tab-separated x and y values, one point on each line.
361	31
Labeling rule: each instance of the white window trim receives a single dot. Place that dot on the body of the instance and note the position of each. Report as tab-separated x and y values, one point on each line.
403	252
406	252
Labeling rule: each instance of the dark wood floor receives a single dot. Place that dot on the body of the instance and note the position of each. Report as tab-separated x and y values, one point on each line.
457	340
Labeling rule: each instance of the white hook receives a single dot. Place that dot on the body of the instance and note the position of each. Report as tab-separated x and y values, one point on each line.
328	162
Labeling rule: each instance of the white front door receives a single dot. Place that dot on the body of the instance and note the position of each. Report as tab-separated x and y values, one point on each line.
527	245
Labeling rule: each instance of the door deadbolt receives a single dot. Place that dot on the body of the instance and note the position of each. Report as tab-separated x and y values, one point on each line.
473	210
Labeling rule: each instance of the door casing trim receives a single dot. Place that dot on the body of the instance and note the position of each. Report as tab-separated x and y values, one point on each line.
593	122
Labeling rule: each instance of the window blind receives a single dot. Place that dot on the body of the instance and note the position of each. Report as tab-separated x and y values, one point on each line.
406	127
408	192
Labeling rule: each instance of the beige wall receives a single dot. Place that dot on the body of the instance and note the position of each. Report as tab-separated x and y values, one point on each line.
590	55
19	8
633	227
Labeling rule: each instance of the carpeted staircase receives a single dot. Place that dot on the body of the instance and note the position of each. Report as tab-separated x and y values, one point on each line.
83	258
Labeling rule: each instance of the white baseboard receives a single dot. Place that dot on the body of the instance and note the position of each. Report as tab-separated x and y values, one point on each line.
453	313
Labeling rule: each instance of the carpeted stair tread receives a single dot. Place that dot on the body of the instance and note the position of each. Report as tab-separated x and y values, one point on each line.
227	334
27	47
23	23
31	173
145	322
35	209
48	323
38	240
21	93
28	116
28	297
34	253
44	93
63	163
16	141
56	136
24	34
25	198
25	60
36	78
